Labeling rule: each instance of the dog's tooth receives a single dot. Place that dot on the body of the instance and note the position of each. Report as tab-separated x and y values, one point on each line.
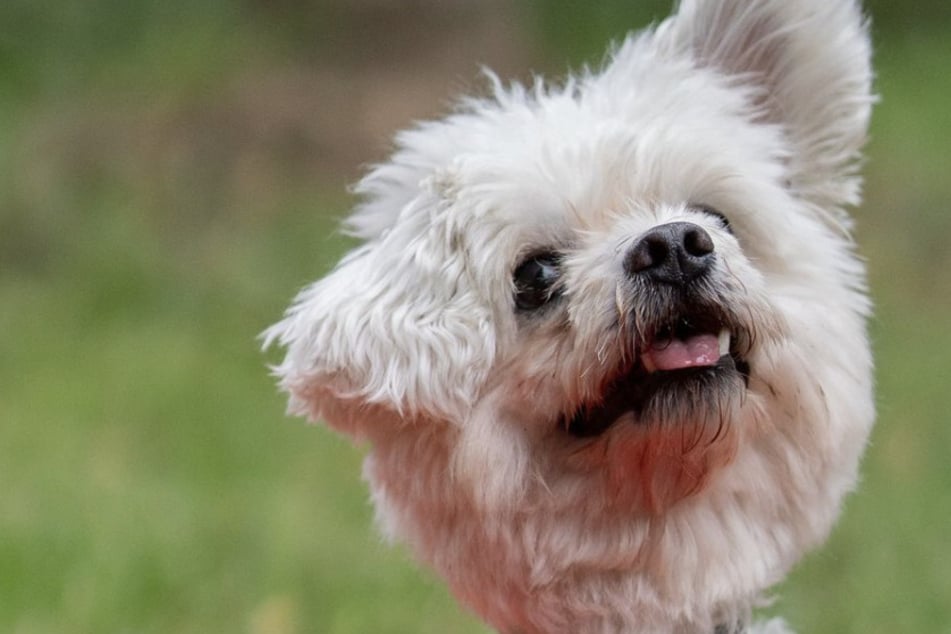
723	339
648	363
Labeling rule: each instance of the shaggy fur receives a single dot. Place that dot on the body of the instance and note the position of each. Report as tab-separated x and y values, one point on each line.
552	428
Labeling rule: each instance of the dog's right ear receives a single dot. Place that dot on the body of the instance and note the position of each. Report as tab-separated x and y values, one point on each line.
396	333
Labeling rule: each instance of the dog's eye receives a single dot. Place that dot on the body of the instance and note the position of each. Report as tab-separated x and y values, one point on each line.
535	280
718	215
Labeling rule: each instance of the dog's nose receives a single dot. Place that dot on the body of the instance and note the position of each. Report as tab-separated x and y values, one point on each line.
674	253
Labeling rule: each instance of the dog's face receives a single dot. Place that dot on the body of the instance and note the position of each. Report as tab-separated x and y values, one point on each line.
612	332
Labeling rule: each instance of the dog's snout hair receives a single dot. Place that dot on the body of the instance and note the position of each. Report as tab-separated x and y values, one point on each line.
673	253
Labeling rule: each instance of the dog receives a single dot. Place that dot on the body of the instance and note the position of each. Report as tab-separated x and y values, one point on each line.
606	338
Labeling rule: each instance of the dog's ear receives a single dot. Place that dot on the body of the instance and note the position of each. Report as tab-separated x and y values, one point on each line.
808	62
396	331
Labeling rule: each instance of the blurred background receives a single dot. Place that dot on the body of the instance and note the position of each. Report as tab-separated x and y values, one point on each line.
171	173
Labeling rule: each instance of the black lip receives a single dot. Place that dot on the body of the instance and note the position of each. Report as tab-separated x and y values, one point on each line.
683	326
631	392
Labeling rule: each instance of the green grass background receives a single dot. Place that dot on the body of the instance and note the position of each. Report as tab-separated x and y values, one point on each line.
148	479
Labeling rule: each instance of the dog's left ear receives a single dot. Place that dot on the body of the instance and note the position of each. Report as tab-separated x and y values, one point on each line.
809	63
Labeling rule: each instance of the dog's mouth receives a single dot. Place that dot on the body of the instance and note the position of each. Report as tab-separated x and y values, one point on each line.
691	357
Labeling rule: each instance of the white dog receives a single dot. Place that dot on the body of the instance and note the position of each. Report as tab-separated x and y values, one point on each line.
606	339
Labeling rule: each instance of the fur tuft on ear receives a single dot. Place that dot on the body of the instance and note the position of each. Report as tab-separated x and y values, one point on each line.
397	327
809	63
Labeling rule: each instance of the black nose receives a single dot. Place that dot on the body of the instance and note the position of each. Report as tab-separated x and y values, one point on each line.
675	253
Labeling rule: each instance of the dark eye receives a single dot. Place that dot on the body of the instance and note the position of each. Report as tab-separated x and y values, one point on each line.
716	214
535	280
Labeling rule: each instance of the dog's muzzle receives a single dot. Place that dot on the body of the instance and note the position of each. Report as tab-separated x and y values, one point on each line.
677	254
690	345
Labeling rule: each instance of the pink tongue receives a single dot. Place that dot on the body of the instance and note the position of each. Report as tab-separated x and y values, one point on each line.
674	354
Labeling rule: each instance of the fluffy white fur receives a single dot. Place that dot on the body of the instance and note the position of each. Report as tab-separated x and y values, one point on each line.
679	516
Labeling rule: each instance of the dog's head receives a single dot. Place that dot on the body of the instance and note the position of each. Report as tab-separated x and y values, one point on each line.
628	297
